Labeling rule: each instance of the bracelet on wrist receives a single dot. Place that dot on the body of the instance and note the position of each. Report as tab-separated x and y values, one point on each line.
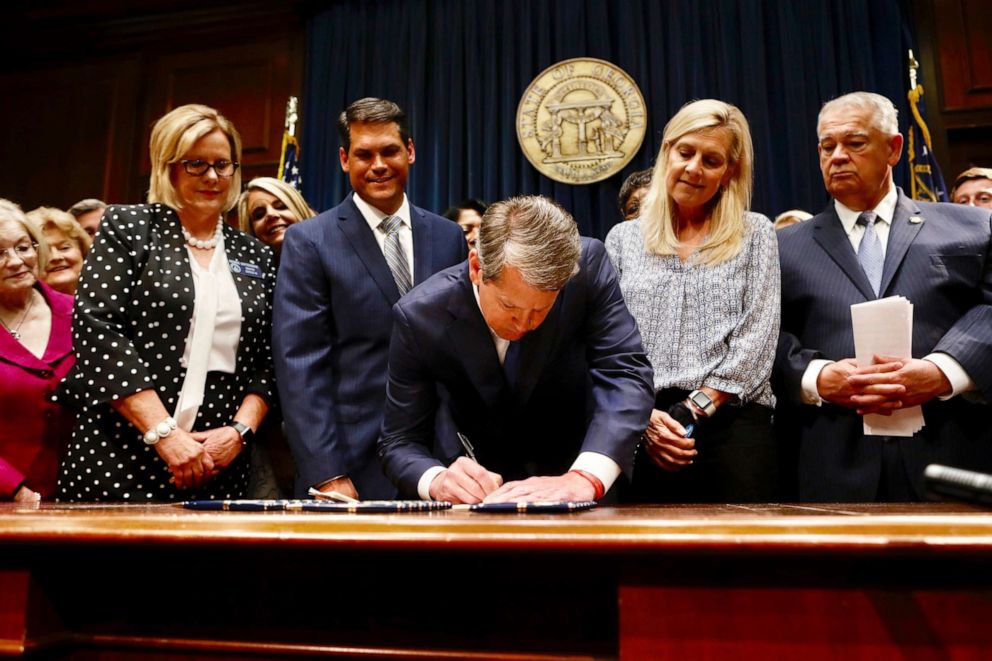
596	483
160	431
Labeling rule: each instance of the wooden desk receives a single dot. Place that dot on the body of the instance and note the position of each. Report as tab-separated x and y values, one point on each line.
770	581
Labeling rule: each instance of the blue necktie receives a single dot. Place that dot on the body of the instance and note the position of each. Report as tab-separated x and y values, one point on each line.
870	250
511	364
393	252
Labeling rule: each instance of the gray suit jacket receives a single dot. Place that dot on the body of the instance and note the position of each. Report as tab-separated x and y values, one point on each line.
938	257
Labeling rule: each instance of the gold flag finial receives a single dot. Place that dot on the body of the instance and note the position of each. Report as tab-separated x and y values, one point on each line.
291	115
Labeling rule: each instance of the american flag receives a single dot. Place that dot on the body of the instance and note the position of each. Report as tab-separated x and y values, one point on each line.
926	181
289	160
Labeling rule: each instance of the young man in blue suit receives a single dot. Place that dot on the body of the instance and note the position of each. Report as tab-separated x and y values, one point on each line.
532	349
339	275
935	255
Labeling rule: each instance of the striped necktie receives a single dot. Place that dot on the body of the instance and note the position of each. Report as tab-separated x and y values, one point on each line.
870	250
393	252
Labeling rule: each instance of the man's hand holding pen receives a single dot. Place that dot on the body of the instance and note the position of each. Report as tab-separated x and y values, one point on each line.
464	481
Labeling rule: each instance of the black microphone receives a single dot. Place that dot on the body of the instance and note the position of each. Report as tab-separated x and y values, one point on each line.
682	415
958	484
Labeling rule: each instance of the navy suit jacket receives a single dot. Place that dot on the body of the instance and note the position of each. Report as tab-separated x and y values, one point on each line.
584	383
938	257
330	332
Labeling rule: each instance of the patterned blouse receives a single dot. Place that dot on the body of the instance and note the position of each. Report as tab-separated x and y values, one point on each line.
705	325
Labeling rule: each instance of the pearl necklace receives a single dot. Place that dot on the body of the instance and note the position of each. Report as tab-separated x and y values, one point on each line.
15	331
204	244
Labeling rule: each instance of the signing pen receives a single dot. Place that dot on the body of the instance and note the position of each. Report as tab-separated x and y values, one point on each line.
469	450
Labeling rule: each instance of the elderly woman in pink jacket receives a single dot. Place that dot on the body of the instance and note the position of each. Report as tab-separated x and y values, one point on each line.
35	353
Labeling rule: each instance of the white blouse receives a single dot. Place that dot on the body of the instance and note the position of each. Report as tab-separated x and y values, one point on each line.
212	343
227	323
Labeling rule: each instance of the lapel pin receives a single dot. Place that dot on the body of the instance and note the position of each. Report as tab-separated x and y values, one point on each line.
915	220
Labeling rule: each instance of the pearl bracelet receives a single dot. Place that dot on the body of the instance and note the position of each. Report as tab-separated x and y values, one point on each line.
160	431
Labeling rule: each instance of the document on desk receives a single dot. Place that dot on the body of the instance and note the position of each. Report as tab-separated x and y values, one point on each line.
885	327
326	506
534	507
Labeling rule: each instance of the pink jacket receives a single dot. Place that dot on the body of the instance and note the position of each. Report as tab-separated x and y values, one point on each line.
34	431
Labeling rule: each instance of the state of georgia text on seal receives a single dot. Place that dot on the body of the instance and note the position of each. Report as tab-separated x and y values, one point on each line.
581	120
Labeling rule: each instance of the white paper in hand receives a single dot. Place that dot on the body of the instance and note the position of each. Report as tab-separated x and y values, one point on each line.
885	328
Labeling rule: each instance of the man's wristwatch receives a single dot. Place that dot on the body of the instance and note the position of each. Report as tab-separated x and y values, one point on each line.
243	430
703	402
160	431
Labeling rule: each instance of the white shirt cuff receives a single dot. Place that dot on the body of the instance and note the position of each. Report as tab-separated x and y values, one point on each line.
424	483
810	394
599	465
960	381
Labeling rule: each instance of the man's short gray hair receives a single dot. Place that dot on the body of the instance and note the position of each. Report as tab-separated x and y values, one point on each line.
532	234
85	206
882	112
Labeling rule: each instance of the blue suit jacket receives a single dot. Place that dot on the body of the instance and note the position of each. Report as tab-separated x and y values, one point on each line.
941	263
330	332
584	382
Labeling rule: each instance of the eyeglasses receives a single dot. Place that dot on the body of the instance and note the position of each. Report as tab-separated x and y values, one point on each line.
198	168
23	252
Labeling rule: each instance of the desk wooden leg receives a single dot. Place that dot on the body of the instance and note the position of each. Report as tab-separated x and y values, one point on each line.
681	622
27	621
14	586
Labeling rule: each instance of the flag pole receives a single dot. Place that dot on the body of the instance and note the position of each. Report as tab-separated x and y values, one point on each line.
289	135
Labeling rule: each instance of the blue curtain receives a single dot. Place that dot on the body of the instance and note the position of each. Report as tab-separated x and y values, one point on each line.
459	68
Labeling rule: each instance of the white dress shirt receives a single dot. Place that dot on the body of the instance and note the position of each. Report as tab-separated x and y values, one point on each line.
373	217
603	467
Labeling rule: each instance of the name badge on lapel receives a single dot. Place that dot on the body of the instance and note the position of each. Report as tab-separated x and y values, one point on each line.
250	270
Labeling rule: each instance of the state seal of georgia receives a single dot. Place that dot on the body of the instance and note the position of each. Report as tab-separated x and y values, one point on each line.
581	121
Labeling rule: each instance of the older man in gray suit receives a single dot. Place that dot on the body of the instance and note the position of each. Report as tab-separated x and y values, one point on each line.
873	242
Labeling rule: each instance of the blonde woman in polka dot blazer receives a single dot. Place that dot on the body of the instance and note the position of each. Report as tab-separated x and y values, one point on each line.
172	325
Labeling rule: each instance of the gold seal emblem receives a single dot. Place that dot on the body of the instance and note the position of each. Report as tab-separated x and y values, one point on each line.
581	120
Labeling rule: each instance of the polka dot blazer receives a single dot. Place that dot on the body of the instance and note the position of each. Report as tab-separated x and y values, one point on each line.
133	312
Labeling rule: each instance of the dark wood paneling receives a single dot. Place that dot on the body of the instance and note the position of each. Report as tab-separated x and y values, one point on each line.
956	58
248	83
967	147
85	82
67	136
964	39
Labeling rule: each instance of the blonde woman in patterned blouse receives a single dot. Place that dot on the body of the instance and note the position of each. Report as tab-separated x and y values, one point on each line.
700	274
172	325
